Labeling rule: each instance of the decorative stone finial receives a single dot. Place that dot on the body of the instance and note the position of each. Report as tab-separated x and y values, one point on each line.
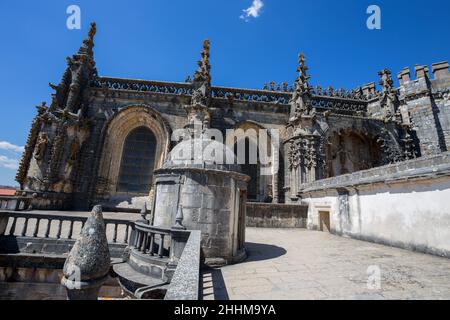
389	97
303	77
144	211
203	73
202	79
88	43
179	219
88	263
300	100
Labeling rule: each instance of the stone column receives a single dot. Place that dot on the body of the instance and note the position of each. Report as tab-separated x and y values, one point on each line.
87	266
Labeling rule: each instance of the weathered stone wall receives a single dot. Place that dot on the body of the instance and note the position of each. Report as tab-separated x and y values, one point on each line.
43	284
403	205
211	202
97	175
425	105
265	215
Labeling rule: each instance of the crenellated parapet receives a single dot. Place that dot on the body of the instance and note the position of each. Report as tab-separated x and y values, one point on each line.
424	105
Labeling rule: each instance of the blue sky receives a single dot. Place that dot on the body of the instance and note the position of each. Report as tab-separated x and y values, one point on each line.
161	40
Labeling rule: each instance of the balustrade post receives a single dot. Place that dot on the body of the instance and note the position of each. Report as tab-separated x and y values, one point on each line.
36	227
161	246
3	224
12	230
126	234
152	244
140	236
47	228
115	233
25	227
71	229
58	235
144	242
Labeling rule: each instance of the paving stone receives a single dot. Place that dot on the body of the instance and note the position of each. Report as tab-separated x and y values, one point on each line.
319	265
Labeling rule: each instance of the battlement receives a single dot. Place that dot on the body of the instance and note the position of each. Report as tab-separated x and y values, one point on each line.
440	71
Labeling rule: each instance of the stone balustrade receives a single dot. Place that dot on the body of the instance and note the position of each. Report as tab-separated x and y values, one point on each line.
14	203
54	232
152	241
340	103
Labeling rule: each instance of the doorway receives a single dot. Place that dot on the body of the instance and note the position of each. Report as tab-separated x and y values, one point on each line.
324	221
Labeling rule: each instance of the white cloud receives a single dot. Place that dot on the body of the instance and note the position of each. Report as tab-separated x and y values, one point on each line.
8	163
4	145
254	11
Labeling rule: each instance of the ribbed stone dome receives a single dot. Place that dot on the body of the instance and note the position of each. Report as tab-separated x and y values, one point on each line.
204	154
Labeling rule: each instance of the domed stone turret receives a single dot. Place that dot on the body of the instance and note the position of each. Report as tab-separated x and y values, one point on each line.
201	177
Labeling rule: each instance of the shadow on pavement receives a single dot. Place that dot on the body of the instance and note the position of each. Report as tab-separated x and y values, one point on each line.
261	252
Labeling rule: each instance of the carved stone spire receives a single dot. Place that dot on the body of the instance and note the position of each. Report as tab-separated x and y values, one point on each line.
203	73
300	101
80	70
198	113
303	77
88	44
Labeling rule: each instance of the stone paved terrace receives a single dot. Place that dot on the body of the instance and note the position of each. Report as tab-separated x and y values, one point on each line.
293	264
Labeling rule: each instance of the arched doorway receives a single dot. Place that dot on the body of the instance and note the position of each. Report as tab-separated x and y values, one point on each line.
349	151
138	162
251	167
260	160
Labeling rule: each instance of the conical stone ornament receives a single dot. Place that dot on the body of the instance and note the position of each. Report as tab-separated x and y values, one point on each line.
88	263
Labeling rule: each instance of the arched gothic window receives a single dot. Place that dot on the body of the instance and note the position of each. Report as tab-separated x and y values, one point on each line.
138	162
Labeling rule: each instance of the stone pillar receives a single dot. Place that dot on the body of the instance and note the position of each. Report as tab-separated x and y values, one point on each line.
87	266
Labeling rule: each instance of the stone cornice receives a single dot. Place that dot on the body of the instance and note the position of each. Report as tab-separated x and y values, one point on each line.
418	169
139	88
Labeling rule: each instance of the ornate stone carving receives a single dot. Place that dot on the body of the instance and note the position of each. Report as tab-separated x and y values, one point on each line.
74	151
41	146
31	143
79	73
389	98
202	78
301	97
408	142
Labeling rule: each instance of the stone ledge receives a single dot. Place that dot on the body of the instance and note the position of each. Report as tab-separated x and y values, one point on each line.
422	168
266	215
185	283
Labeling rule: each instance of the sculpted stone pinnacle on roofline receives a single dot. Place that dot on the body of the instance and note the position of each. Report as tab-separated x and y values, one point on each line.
197	111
